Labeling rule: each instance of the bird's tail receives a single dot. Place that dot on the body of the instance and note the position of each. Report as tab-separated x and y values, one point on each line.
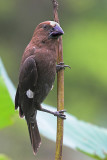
34	136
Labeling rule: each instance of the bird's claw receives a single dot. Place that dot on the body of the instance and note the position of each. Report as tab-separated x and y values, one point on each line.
61	65
60	114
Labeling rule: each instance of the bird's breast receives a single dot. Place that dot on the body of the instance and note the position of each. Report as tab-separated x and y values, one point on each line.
46	68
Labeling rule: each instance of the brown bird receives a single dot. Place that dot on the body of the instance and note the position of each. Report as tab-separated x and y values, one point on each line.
37	75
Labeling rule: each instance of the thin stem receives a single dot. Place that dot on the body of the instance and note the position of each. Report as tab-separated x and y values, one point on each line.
60	90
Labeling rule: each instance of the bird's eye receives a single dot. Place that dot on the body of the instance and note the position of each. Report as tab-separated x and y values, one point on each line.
45	26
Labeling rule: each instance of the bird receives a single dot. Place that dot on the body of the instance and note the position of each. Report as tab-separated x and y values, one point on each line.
36	76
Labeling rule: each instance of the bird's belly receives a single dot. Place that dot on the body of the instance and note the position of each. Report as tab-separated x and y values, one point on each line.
44	85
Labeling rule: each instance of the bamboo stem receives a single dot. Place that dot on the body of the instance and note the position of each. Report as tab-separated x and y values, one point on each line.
60	90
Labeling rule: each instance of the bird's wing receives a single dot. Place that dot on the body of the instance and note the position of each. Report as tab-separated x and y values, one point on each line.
27	80
28	74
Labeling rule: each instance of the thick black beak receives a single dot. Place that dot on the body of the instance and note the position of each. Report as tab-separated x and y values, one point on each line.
56	31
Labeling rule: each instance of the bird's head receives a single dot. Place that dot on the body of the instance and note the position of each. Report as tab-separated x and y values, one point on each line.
48	30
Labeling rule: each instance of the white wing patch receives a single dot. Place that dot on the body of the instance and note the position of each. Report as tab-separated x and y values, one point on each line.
52	87
30	94
53	23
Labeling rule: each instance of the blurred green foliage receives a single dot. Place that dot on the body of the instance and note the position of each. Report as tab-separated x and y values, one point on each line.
3	157
84	43
6	105
6	9
87	51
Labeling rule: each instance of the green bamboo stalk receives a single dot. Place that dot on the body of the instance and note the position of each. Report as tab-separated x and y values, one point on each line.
60	90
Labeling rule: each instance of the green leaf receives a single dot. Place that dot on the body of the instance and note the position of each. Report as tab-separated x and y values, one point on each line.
3	157
6	104
78	135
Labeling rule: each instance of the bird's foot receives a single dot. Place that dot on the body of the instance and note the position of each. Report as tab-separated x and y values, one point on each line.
60	114
61	65
57	113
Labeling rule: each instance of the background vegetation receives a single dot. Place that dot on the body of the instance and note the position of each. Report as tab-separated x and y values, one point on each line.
84	43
